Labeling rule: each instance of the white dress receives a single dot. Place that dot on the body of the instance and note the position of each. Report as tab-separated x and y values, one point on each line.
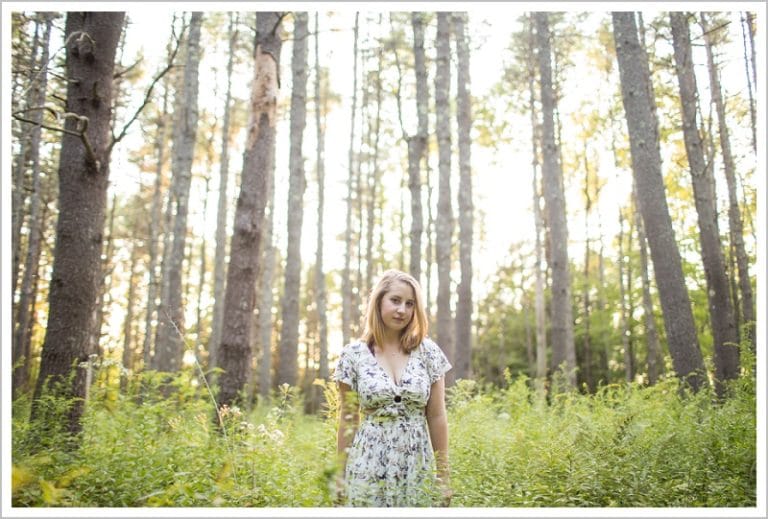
390	461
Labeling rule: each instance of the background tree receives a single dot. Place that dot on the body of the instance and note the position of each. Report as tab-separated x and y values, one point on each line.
169	343
417	144
563	350
220	267
646	168
321	108
444	223
735	222
20	354
235	350
348	300
464	306
289	338
83	179
724	331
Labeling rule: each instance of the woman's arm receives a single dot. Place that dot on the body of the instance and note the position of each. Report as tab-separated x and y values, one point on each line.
437	421
348	422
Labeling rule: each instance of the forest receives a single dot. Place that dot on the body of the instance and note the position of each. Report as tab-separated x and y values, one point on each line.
200	202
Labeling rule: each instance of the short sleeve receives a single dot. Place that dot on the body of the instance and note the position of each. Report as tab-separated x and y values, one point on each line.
345	368
435	360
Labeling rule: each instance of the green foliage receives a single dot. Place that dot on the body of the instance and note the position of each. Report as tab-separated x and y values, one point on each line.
624	446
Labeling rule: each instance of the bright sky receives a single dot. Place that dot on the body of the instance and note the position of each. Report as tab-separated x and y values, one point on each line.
502	181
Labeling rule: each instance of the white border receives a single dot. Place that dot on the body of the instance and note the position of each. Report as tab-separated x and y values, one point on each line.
5	319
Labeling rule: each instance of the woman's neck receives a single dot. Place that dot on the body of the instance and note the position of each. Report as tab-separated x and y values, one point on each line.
391	341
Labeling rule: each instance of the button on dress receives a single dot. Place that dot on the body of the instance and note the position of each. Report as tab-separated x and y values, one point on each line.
390	461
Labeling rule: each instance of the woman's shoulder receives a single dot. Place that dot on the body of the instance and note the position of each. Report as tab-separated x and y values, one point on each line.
429	347
354	348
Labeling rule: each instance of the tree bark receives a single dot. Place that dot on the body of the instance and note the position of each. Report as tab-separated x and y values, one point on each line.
25	308
320	292
624	315
735	223
220	267
169	342
463	348
128	322
258	160
289	335
747	31
373	173
83	182
265	293
154	223
417	144
106	268
346	279
646	167
35	96
655	359
563	348
725	334
444	224
586	369
539	306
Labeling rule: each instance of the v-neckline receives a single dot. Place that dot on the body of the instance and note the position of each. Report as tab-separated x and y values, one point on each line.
399	380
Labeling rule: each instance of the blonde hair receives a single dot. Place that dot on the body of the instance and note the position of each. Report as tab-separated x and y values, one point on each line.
414	332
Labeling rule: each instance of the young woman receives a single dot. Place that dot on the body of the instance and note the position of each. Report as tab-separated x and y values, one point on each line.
393	431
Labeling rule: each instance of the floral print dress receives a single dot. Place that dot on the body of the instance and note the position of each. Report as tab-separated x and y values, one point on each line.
390	461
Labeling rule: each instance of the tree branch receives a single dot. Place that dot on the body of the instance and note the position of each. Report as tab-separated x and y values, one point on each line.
147	96
80	131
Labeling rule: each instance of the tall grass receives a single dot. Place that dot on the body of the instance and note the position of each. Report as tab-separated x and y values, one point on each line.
625	446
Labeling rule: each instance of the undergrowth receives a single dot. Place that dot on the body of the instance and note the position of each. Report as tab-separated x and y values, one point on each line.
625	446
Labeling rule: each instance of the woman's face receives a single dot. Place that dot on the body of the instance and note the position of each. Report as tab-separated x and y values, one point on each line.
397	306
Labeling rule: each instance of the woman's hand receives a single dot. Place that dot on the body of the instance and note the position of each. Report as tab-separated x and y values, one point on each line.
446	492
339	497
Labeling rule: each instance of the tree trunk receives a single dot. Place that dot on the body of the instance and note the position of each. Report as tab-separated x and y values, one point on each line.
725	334
128	322
735	224
220	267
563	349
203	267
443	241
623	318
417	144
646	167
539	306
154	222
746	31
35	97
346	279
373	175
258	160
586	364
83	182
21	368
169	342
265	292
463	348
652	345
289	335
106	269
320	295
